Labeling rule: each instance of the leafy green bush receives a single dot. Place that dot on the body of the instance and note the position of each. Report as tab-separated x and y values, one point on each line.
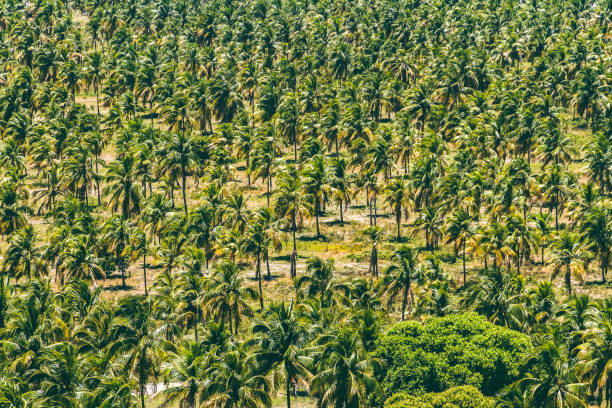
465	396
447	352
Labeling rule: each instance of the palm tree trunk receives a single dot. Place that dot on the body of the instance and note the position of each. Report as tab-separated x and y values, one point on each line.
464	271
404	301
248	159
261	305
398	219
185	190
123	276
288	390
144	270
267	255
341	214
293	260
568	280
317	217
97	99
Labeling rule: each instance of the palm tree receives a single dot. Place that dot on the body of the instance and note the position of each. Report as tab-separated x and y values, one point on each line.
123	188
138	247
293	205
227	297
185	365
318	280
344	378
341	189
597	231
499	296
117	233
317	185
595	358
79	261
374	234
11	210
569	254
542	224
399	275
397	198
552	384
23	257
256	242
430	220
281	343
235	383
133	327
288	116
459	230
93	74
179	158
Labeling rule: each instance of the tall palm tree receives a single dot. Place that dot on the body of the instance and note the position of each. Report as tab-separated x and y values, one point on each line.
137	343
179	158
93	74
185	365
399	275
317	185
396	198
341	188
293	205
79	260
459	230
117	234
552	385
569	256
235	383
24	258
123	188
345	372
597	231
281	341
227	296
595	357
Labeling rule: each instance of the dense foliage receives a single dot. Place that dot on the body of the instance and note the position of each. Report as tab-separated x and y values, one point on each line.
458	397
230	203
450	351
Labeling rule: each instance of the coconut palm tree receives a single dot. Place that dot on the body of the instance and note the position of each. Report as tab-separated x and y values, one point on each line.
281	341
569	256
398	277
345	372
235	382
396	198
122	188
179	159
227	297
597	232
459	230
292	205
317	185
133	327
24	258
